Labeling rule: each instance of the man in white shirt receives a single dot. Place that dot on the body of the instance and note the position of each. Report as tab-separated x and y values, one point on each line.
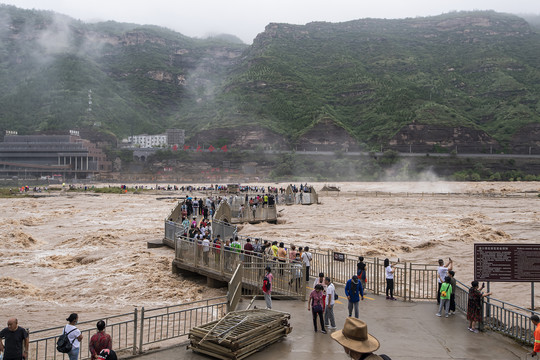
206	250
442	271
306	258
329	307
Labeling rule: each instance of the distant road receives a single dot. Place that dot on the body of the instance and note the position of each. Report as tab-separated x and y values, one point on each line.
402	154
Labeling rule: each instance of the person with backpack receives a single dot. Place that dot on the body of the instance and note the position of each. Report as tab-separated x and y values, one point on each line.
353	290
361	272
72	340
268	279
445	292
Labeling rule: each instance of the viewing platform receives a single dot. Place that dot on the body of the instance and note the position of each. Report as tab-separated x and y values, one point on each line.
405	330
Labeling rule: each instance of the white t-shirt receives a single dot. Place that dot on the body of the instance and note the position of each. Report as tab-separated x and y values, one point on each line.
389	273
72	337
206	245
442	272
306	258
330	291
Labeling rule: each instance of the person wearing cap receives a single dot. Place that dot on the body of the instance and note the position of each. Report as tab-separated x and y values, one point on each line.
268	291
107	354
353	290
356	340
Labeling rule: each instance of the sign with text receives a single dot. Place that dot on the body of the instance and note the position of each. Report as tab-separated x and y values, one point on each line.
339	257
507	262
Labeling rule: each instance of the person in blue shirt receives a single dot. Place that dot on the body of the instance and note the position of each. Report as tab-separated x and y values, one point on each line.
354	290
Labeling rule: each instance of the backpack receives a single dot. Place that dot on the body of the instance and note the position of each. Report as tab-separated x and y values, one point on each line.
266	284
336	296
443	292
63	344
385	357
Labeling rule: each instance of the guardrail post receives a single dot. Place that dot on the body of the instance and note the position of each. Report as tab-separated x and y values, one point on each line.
135	331
410	282
405	282
142	331
376	276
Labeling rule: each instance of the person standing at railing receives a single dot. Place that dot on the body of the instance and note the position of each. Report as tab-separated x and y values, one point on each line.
446	292
74	336
17	341
474	305
389	274
354	290
536	322
361	272
442	271
99	340
292	253
282	257
268	280
306	258
206	250
452	309
248	251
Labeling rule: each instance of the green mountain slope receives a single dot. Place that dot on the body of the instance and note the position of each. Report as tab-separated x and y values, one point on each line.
140	77
475	70
472	73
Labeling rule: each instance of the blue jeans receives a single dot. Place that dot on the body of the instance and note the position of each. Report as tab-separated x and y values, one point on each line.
74	354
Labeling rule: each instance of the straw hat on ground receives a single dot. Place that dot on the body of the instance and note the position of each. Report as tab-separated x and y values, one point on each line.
354	336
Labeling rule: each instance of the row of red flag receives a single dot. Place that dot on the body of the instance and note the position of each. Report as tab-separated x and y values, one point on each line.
200	149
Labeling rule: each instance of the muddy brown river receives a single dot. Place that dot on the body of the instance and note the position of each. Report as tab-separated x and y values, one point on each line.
86	253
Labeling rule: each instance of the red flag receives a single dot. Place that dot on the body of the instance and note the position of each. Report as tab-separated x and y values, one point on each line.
186	147
211	148
224	148
175	147
199	148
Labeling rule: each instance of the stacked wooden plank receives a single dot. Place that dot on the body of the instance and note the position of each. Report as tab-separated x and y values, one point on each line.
240	333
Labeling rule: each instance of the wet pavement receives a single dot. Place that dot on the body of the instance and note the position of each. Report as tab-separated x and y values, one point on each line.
405	330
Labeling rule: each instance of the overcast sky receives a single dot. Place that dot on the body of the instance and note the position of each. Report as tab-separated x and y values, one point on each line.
247	18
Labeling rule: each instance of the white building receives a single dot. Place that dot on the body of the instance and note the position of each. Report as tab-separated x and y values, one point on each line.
148	141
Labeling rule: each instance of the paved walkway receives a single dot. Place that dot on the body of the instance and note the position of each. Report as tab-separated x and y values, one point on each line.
405	330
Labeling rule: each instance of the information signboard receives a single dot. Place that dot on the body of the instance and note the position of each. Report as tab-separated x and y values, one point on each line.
339	257
507	262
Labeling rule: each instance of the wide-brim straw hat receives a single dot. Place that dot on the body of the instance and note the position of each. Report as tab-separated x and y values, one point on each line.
355	336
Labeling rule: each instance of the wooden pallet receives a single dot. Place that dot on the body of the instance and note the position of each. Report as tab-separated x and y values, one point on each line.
240	333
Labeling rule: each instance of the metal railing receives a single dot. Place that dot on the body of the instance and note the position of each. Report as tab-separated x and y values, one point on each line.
222	261
171	322
122	328
130	335
508	319
235	289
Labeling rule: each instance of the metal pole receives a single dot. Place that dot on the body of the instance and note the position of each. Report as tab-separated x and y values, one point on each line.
488	312
135	331
405	283
532	296
142	331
